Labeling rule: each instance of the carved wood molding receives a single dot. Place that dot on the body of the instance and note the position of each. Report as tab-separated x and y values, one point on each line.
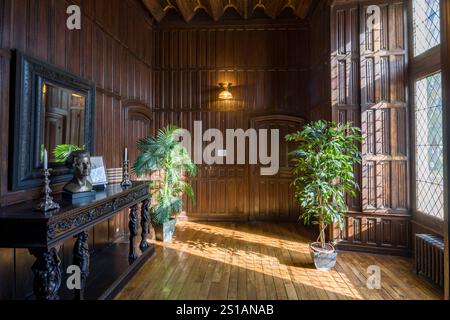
83	218
134	108
277	117
187	9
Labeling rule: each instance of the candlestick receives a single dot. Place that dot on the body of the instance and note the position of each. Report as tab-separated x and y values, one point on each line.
126	182
45	159
47	203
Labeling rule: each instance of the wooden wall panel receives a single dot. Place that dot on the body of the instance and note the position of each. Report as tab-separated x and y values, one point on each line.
269	69
345	75
319	62
272	196
114	49
368	87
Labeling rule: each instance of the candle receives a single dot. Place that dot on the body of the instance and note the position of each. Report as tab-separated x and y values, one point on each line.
126	154
45	159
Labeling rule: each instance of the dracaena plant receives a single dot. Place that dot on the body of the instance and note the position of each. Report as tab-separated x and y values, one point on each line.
164	153
323	172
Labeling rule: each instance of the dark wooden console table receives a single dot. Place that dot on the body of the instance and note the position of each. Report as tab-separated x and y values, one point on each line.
21	227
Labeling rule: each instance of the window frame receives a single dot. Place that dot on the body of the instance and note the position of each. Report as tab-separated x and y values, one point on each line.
420	67
412	45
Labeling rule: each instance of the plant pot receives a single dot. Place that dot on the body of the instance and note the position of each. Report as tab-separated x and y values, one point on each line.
164	232
324	258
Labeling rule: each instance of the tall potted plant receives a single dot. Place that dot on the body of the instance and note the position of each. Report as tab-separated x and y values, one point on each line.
164	153
324	174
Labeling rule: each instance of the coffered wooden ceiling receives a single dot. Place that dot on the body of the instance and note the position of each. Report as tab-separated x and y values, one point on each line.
216	8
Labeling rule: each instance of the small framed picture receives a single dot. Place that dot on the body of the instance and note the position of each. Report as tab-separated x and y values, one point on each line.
98	172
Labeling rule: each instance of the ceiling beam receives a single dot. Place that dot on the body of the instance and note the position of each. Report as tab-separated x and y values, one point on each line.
238	5
243	8
303	8
255	4
289	4
216	9
200	5
186	8
155	9
274	7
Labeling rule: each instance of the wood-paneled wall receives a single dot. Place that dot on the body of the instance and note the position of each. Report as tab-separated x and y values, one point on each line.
268	65
369	82
114	49
319	81
149	76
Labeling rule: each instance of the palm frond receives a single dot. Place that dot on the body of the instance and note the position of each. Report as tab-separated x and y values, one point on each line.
164	153
63	151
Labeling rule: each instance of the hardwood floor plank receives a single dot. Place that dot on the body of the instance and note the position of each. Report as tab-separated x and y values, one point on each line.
283	259
269	281
220	279
242	273
264	261
171	284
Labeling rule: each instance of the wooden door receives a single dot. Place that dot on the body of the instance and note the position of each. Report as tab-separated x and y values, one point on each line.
137	126
272	196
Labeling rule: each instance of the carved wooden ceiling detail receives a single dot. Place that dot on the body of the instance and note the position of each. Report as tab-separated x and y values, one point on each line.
216	8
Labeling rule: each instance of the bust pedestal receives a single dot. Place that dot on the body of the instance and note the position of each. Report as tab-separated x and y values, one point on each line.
90	195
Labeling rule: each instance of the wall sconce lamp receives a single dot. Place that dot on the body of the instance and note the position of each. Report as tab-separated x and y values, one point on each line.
225	94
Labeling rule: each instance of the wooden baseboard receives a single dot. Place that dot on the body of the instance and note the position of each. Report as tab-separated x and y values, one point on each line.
345	246
233	218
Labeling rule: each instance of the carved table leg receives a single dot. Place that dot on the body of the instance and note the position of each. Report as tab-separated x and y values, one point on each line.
133	233
81	259
144	225
47	274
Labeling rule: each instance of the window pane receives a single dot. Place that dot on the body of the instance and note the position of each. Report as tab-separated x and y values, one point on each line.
427	26
429	146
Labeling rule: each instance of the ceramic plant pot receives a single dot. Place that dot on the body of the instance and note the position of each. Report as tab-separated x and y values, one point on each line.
324	258
164	232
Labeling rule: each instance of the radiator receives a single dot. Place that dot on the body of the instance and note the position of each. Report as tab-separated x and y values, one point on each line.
429	257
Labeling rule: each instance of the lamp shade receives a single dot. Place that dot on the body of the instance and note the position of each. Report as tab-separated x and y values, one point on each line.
225	94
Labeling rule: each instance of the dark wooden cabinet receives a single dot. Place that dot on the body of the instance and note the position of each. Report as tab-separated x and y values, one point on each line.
112	49
43	233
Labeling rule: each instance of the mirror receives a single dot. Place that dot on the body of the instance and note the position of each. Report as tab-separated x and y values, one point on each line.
64	118
51	107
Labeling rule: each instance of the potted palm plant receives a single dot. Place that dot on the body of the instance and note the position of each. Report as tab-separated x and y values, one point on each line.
164	153
63	151
324	174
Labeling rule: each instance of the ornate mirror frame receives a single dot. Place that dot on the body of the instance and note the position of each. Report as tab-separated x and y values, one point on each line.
27	119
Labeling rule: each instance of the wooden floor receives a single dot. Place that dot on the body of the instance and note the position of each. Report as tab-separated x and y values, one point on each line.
264	261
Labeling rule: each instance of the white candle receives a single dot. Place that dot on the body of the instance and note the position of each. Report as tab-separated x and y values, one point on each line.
45	159
126	154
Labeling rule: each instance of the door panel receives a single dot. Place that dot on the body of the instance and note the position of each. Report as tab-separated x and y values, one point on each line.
369	83
272	196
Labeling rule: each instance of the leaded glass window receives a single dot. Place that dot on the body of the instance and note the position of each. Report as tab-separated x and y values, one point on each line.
429	146
427	28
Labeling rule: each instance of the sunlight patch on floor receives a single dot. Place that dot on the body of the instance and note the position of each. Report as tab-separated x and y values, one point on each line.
264	263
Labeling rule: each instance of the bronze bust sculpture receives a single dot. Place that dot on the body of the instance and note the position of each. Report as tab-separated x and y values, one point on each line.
80	162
